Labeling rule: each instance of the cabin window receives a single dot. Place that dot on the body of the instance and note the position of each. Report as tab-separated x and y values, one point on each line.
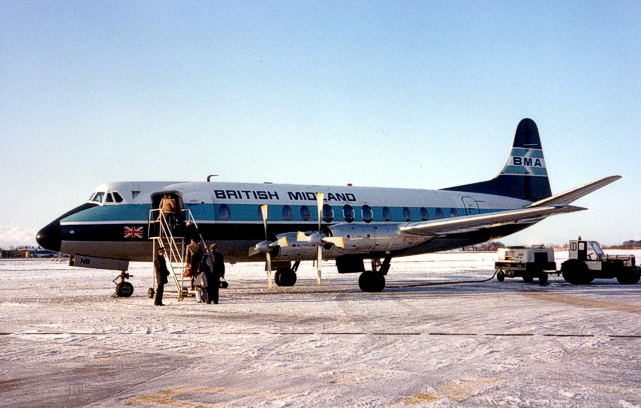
407	214
367	213
288	214
118	197
438	214
453	213
328	213
224	212
425	215
348	213
305	213
387	213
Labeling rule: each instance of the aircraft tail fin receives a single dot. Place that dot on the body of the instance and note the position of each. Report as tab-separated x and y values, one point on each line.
524	175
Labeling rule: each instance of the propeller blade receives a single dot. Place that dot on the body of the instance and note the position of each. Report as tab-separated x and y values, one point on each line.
319	261
265	212
268	256
337	241
319	203
281	242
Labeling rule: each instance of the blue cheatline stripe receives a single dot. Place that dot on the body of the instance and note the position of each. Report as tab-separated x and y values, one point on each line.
119	212
539	171
518	152
139	214
515	170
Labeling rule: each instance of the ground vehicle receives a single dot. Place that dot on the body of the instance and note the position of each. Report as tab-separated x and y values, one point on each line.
588	262
527	263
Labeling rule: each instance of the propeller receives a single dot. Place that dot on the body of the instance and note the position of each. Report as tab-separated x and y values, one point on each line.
267	247
318	239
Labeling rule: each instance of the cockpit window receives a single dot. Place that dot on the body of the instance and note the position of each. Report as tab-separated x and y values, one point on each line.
98	197
118	197
109	198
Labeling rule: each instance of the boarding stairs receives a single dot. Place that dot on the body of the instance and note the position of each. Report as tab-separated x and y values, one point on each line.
174	246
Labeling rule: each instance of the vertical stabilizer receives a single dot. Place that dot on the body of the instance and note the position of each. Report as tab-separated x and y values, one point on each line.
524	175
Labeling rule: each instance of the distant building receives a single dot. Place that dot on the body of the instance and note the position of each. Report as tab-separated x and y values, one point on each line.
30	252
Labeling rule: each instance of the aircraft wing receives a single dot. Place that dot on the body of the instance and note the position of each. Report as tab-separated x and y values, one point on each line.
574	194
477	222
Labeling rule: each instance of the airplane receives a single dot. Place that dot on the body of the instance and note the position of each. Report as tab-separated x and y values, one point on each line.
288	223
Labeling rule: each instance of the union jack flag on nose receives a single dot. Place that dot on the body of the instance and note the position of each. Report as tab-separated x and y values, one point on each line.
133	232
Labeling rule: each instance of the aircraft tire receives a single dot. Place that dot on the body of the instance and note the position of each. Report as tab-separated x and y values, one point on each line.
288	277
528	277
277	277
500	276
363	282
151	293
371	282
124	289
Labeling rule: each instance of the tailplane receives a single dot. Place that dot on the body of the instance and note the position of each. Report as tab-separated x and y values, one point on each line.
524	175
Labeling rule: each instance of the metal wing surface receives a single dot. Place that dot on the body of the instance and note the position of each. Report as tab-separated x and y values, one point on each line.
478	222
570	196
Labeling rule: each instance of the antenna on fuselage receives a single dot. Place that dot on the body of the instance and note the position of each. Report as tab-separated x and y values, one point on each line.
210	176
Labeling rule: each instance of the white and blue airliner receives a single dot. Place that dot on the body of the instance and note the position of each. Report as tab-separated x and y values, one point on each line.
292	223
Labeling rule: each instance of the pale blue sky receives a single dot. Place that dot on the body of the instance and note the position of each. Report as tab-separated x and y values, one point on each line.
407	94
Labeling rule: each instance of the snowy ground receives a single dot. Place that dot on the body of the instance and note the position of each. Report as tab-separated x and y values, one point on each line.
66	343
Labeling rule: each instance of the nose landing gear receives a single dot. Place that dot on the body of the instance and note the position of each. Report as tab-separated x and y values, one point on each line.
123	288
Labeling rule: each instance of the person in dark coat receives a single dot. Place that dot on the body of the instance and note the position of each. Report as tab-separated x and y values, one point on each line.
213	281
193	258
218	272
191	232
160	267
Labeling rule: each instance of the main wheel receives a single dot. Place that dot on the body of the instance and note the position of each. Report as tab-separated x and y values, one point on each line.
528	277
277	277
371	282
288	277
576	272
124	289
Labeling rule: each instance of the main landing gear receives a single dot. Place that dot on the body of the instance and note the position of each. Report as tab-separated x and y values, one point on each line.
286	276
374	280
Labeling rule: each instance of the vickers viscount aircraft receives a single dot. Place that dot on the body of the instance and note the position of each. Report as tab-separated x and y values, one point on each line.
292	223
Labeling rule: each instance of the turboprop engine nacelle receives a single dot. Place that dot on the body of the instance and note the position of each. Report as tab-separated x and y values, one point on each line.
357	238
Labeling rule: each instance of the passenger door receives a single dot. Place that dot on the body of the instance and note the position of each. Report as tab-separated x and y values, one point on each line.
471	206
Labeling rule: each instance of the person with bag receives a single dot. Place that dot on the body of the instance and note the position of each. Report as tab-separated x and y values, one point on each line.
202	283
214	268
192	261
160	268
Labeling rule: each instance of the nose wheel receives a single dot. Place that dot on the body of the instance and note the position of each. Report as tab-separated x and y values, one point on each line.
123	288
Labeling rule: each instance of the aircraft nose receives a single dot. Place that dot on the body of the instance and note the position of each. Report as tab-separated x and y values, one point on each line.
50	237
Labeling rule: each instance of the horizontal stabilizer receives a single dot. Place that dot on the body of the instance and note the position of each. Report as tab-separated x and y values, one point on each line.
574	194
471	223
